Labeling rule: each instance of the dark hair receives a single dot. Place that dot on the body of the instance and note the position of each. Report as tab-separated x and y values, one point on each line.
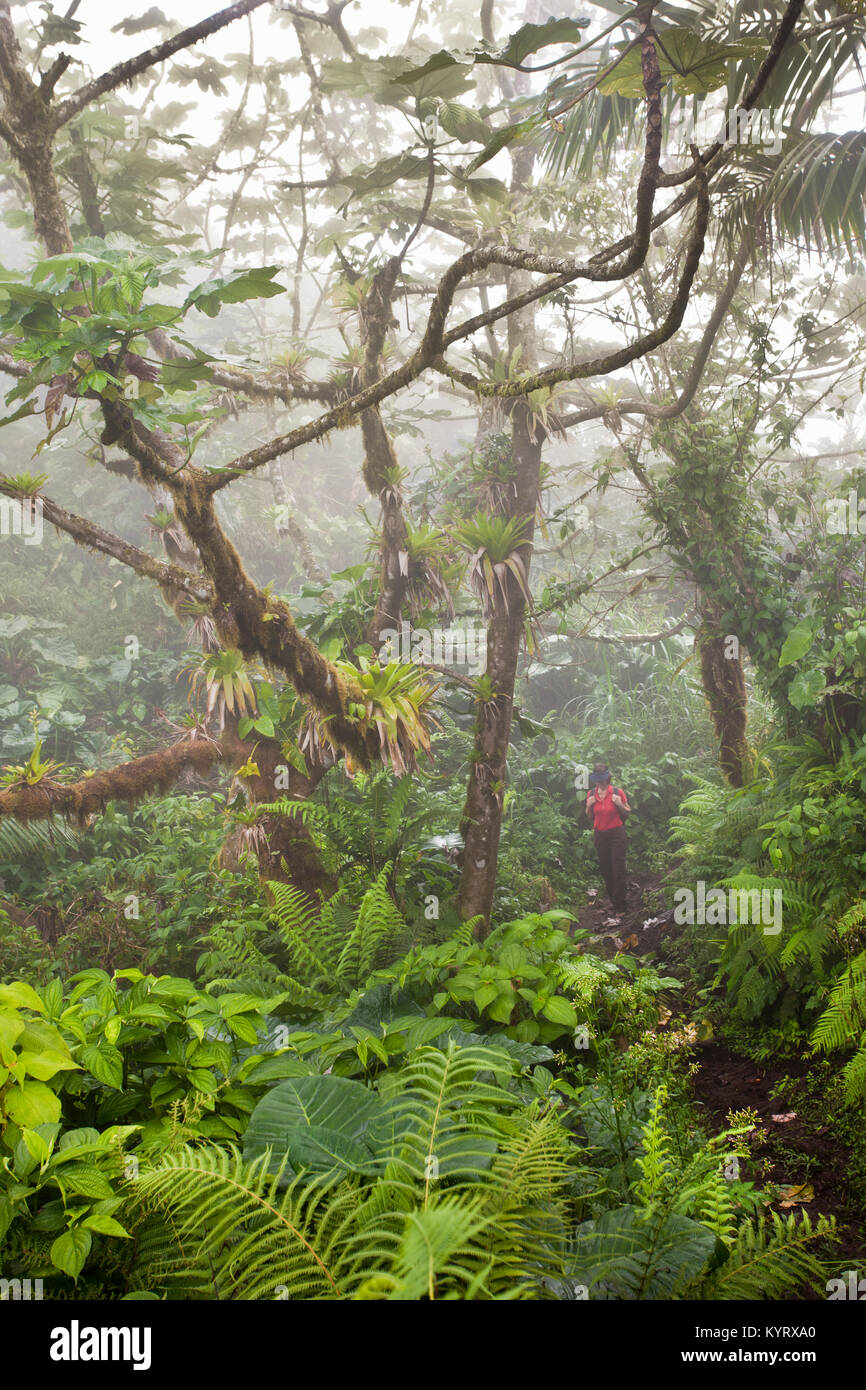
599	775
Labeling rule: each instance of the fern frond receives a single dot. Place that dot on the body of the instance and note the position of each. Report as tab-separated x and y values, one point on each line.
772	1258
237	1235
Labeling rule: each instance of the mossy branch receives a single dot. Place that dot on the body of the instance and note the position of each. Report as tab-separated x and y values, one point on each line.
129	782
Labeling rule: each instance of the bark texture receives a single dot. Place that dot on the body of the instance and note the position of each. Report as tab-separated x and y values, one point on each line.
724	684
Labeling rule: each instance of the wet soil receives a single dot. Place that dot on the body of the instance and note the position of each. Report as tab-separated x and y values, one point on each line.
798	1149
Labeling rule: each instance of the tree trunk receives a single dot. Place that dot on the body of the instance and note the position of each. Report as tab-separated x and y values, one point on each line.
724	684
283	845
481	822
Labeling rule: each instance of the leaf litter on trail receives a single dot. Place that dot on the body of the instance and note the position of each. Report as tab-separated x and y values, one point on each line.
795	1195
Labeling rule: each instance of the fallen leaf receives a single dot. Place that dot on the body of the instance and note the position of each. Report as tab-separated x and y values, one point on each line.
629	944
665	1015
784	1119
793	1196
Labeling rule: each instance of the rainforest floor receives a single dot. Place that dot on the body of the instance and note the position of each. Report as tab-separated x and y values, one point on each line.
813	1153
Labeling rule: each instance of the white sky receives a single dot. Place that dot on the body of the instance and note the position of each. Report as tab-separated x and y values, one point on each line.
102	49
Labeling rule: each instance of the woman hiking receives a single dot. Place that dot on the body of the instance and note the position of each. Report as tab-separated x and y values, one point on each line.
608	807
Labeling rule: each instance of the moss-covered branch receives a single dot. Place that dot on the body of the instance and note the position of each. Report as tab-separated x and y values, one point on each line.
92	537
155	772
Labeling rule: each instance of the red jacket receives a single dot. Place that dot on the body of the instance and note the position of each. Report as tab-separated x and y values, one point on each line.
600	805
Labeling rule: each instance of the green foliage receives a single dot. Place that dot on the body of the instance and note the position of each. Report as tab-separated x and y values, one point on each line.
516	978
355	1100
105	348
394	704
494	543
327	952
799	830
139	888
683	1236
452	1195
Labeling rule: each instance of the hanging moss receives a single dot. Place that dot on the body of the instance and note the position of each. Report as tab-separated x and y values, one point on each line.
130	782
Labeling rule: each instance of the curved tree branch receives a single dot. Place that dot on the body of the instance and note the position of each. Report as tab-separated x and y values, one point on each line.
126	71
128	782
602	366
92	537
653	409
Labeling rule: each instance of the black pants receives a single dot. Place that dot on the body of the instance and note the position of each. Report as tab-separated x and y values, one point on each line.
610	846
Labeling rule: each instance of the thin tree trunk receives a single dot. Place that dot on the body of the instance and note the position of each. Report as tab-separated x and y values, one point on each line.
724	684
481	822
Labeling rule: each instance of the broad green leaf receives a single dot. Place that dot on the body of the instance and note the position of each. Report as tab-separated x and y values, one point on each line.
105	1063
502	1007
11	1027
7	1214
44	1065
105	1225
243	1029
559	1010
234	289
260	1069
39	1036
318	1122
635	1252
502	137
69	1251
693	65
463	123
374	178
36	1145
22	996
441	76
797	643
112	1029
84	1179
77	1138
204	1081
484	995
806	689
529	38
32	1104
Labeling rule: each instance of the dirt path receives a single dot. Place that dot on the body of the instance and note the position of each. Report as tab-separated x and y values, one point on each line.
798	1152
636	931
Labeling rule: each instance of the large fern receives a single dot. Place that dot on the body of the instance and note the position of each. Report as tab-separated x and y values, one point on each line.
843	1022
470	1201
684	1237
316	954
20	839
771	1257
